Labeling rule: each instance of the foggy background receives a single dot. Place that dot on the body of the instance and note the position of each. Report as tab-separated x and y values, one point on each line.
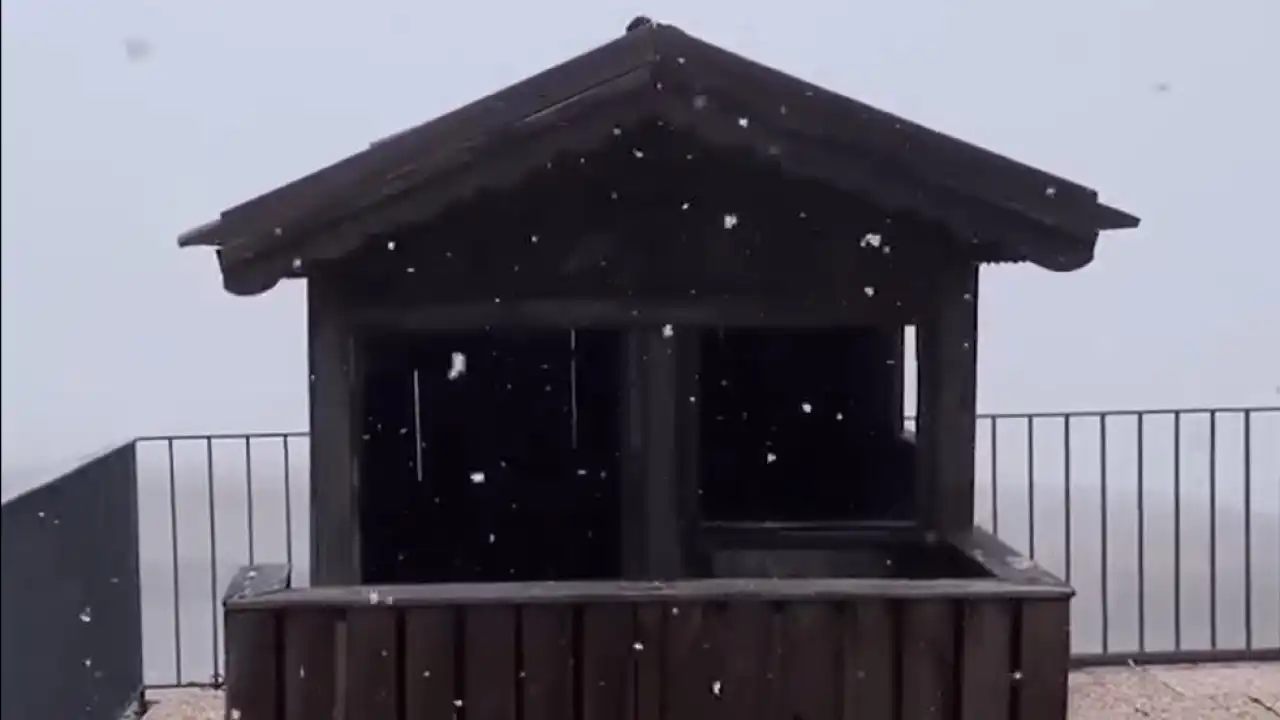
128	122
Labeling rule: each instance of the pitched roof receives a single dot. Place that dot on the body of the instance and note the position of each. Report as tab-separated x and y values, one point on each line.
660	71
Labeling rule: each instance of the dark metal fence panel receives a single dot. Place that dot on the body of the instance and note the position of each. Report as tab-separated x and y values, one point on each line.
72	618
1167	522
210	504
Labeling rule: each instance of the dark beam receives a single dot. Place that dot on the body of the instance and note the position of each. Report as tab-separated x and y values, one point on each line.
946	358
335	518
656	460
591	312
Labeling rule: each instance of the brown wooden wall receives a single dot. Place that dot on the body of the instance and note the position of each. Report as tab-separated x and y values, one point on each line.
861	658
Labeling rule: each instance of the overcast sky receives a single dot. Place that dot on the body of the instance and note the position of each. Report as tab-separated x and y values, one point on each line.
126	122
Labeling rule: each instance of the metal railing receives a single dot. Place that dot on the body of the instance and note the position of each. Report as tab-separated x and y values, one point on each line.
72	616
1166	521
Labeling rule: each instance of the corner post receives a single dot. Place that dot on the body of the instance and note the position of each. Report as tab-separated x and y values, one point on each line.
335	508
946	355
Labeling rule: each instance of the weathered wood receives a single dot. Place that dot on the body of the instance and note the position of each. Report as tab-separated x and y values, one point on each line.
608	654
856	658
947	342
986	662
309	673
1044	655
752	661
811	649
372	662
619	313
253	581
332	356
547	661
869	635
430	677
253	665
692	668
586	592
653	519
650	658
1003	562
928	660
490	652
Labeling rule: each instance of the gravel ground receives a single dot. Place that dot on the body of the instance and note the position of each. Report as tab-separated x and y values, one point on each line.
1184	692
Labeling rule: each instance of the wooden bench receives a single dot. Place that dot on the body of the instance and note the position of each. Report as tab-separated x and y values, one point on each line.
800	649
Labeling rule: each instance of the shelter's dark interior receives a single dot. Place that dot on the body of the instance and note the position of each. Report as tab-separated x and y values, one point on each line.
794	424
802	425
492	456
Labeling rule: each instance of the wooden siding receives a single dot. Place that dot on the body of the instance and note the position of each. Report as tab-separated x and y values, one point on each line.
932	651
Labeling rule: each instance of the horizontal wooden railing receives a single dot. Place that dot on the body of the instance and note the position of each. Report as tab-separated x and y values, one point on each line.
701	649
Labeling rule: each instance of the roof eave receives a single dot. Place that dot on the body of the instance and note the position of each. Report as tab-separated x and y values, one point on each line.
201	236
1112	218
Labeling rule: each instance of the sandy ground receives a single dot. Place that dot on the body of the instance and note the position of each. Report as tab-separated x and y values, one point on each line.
1184	692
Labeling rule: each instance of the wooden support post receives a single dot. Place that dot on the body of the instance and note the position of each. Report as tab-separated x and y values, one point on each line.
946	352
657	482
335	519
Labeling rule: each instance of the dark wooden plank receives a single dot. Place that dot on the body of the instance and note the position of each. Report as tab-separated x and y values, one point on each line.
335	520
653	528
1044	651
752	668
608	661
252	581
650	644
811	661
491	667
592	591
430	678
372	665
986	667
546	661
1002	561
947	342
870	639
928	660
691	668
815	312
310	663
253	664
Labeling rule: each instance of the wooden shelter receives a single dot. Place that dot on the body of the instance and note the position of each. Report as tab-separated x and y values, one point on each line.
640	318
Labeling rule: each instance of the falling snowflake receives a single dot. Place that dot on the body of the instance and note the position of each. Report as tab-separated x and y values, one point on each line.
457	365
